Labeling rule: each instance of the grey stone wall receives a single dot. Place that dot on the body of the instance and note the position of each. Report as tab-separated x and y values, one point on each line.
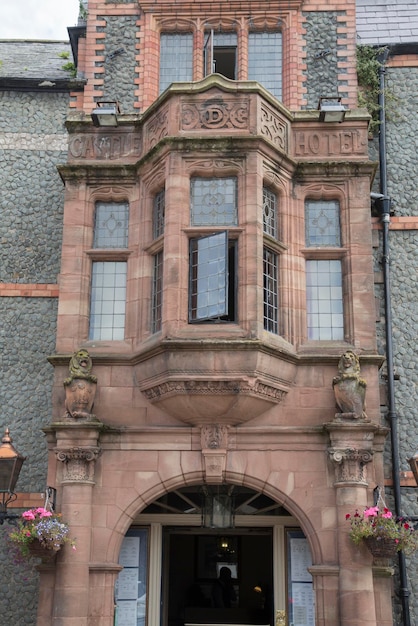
402	174
401	140
322	70
119	63
33	141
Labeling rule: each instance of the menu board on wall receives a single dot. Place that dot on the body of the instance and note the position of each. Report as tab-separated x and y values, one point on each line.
301	596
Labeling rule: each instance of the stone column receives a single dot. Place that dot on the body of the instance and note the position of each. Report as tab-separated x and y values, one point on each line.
76	450
351	450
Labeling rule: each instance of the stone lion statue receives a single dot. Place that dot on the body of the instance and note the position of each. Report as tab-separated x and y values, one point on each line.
80	367
80	387
350	388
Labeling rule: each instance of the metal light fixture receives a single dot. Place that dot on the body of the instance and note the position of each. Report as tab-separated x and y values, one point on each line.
331	110
105	114
218	509
10	465
413	464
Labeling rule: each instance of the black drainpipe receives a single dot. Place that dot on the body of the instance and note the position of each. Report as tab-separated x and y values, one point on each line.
392	414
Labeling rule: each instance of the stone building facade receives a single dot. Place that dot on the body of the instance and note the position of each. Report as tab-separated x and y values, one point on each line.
211	261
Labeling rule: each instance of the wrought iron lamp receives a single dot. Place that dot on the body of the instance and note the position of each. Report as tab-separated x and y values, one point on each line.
331	110
10	465
105	114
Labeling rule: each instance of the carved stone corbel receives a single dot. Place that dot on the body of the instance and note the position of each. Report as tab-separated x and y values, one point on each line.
214	442
350	465
78	464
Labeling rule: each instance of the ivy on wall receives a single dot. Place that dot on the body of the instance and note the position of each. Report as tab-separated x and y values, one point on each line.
368	63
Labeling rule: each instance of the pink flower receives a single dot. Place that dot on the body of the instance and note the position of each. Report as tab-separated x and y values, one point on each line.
28	515
371	512
387	514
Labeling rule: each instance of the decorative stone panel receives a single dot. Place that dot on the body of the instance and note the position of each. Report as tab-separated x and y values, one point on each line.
350	465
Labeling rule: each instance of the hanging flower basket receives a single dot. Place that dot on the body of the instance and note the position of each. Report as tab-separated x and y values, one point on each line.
40	533
382	533
39	551
382	548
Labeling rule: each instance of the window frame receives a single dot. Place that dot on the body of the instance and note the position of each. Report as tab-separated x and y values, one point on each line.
107	255
324	252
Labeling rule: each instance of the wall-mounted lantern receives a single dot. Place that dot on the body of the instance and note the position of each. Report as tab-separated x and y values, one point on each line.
331	110
10	465
105	114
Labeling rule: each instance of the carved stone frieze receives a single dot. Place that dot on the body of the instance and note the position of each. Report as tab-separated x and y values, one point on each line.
273	127
78	463
214	436
215	113
213	387
350	464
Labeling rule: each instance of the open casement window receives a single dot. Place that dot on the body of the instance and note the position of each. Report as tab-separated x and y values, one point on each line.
220	54
324	273
212	284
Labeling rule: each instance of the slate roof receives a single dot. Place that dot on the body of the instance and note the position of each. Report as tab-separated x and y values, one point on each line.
384	22
30	59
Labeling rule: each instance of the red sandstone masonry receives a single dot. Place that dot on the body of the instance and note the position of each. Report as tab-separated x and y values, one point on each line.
21	290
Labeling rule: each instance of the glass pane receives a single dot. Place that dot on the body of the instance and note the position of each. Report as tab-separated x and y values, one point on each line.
270	213
111	225
157	293
265	61
324	301
209	276
214	202
270	276
107	307
322	223
176	58
158	214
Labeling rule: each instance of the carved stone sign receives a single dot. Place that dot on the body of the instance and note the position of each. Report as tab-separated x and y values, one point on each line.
104	147
215	113
343	143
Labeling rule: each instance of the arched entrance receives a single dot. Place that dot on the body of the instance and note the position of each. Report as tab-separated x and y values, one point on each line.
185	544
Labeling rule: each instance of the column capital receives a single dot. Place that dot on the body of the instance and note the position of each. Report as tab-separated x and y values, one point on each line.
78	463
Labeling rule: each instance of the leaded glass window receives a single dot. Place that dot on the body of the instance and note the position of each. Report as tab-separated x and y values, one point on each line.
111	225
270	289
323	223
214	202
108	300
212	288
158	214
157	292
270	213
324	292
176	58
265	60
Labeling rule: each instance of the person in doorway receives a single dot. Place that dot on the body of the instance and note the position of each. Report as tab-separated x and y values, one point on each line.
223	592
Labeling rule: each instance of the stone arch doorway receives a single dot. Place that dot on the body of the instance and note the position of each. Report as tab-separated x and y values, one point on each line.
190	534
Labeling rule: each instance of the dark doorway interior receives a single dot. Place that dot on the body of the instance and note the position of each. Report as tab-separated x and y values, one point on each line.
193	563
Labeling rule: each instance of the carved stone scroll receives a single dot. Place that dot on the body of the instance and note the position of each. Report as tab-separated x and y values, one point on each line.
78	463
350	464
